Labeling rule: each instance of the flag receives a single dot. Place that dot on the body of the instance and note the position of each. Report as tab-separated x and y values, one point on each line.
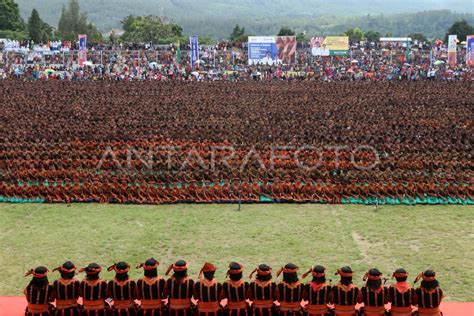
408	52
82	54
452	47
194	42
178	54
431	57
470	50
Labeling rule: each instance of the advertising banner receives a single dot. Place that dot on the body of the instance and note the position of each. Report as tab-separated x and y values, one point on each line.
452	46
329	45
194	42
271	50
82	54
470	50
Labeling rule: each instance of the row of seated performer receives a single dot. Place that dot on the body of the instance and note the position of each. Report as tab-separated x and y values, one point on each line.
299	192
179	295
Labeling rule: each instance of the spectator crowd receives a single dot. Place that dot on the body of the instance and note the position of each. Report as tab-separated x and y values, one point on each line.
228	62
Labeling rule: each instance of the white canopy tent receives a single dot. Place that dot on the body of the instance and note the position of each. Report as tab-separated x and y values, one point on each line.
395	39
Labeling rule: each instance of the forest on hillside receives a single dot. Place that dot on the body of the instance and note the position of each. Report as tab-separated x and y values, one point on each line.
216	18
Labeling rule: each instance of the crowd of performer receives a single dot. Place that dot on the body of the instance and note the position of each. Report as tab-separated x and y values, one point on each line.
180	295
291	142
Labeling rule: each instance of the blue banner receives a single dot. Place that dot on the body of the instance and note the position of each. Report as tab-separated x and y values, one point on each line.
262	49
82	42
82	55
470	50
271	50
194	41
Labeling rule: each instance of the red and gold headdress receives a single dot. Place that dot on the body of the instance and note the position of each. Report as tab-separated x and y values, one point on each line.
207	267
64	270
35	274
315	274
424	277
146	267
90	270
371	277
176	268
231	271
399	275
260	272
117	270
344	274
286	270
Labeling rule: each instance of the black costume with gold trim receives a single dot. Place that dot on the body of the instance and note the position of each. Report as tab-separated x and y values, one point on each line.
122	290
345	297
374	300
150	290
179	291
262	295
262	291
374	294
207	291
94	294
38	300
289	295
93	291
428	301
39	296
317	293
123	294
318	296
429	295
236	291
208	294
66	291
401	295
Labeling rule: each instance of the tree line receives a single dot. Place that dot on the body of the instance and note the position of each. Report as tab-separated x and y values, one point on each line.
460	28
71	23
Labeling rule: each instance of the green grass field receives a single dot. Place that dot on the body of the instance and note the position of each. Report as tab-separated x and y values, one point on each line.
416	238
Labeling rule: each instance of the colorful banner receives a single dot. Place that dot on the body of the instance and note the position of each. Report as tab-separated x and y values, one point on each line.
470	50
178	54
194	42
271	50
452	47
82	54
286	46
329	45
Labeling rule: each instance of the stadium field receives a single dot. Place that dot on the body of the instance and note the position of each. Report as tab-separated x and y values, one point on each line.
387	237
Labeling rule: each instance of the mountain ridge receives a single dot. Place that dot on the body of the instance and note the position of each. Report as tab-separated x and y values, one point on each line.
216	18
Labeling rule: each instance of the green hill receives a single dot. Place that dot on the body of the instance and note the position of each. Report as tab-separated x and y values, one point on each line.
217	17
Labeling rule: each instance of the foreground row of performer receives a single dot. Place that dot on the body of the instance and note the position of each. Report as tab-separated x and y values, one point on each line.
181	296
